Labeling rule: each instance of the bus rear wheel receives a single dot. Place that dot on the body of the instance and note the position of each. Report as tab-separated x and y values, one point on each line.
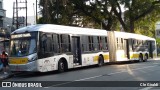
145	58
100	61
140	57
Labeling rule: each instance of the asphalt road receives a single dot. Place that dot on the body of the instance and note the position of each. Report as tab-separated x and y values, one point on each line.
126	72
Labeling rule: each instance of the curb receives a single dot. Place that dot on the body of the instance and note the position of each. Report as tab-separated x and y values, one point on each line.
3	77
156	59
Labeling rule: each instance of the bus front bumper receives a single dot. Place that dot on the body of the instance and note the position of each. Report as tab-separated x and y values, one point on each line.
31	66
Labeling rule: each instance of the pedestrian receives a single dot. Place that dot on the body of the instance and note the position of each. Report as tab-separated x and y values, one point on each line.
4	60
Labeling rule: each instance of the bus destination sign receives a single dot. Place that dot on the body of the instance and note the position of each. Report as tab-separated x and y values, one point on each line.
21	35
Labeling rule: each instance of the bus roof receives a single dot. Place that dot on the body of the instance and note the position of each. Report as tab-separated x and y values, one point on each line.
77	31
132	35
61	30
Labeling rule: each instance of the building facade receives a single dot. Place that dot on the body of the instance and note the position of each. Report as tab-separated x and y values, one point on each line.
4	34
2	14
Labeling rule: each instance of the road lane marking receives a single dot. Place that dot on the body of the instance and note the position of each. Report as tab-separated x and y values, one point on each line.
89	78
112	73
156	63
146	88
132	70
83	79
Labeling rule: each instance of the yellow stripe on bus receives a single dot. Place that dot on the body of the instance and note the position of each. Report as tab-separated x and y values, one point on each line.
18	60
134	56
106	57
96	58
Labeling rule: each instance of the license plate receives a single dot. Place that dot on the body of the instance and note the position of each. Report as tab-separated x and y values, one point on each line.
18	60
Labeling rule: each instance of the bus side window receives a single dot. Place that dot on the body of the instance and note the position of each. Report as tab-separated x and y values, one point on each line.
55	43
46	44
100	43
133	44
104	43
95	43
85	46
61	43
65	45
49	43
90	38
43	43
58	45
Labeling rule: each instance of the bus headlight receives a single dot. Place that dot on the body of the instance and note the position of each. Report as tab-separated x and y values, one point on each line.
32	59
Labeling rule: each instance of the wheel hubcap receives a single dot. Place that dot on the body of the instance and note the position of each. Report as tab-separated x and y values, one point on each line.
146	58
62	65
140	59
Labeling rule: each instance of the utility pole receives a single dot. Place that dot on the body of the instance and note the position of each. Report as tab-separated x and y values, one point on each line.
16	9
13	19
26	12
17	24
36	12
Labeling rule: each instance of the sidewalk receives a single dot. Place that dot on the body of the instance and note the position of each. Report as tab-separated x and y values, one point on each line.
5	76
158	58
2	75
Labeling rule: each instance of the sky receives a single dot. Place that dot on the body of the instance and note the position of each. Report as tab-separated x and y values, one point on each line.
8	6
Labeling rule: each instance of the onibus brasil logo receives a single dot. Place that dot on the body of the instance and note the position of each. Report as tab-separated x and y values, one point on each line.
20	84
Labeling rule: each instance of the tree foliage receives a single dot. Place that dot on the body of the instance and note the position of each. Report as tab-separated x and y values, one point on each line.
135	11
56	12
140	16
146	25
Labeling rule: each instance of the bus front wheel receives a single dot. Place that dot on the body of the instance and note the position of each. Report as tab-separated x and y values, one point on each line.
61	66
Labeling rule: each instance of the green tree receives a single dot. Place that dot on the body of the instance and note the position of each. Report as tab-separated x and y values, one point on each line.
98	11
135	10
146	25
103	13
65	12
158	42
56	12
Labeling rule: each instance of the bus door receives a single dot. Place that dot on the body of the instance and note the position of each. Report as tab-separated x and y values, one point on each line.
127	48
76	50
150	49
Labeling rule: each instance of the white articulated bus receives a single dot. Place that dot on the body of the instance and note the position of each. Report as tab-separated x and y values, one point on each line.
48	47
129	46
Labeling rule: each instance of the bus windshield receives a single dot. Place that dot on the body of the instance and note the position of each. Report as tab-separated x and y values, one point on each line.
22	47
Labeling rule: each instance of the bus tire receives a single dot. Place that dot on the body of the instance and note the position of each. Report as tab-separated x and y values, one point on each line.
140	57
61	66
145	58
100	61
